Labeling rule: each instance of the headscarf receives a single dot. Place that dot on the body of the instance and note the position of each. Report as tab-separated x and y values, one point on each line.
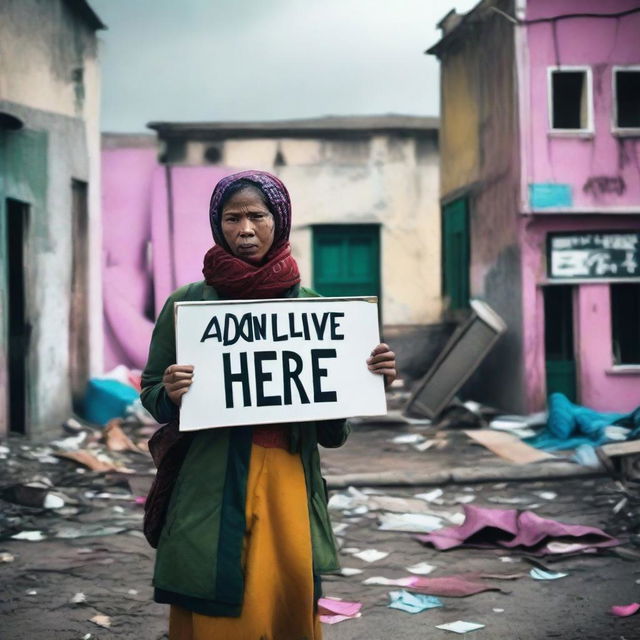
235	278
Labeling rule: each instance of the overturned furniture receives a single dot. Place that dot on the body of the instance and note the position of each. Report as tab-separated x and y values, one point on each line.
461	356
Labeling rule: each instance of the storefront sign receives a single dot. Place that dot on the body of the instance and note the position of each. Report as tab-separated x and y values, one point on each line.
609	256
278	361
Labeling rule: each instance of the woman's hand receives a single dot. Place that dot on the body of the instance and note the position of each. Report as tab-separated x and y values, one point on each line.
383	362
177	379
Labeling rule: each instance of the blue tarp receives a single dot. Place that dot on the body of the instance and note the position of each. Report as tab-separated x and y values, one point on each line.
106	399
570	425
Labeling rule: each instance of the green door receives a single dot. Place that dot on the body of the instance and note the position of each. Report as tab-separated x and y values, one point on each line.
559	341
455	253
346	260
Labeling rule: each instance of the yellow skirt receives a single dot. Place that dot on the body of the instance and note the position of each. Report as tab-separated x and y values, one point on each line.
278	593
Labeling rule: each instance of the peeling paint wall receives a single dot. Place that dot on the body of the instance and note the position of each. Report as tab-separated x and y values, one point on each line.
49	78
479	150
602	168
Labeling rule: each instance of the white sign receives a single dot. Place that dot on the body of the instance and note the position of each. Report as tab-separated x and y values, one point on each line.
276	361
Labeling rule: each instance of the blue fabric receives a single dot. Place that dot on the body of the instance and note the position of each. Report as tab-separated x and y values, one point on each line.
106	399
570	425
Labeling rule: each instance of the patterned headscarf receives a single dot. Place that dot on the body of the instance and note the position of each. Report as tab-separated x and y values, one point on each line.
278	202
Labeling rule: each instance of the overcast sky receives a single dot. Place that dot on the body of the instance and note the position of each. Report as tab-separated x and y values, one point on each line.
188	60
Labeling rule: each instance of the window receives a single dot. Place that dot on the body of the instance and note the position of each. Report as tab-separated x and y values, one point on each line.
455	253
570	99
626	91
625	323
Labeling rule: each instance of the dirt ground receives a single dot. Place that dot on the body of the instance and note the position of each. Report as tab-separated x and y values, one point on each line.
98	551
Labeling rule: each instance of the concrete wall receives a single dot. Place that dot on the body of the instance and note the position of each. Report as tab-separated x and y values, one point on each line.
49	78
479	150
387	179
602	168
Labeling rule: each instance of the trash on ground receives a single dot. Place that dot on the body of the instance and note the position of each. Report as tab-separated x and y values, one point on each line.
525	529
539	574
453	586
423	446
350	571
408	438
508	447
332	610
410	522
460	626
412	602
624	610
546	495
430	496
101	620
88	530
91	461
460	357
31	536
5	556
78	598
497	610
370	555
421	568
116	439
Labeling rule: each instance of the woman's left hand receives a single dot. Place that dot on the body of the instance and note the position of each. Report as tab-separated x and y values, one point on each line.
383	362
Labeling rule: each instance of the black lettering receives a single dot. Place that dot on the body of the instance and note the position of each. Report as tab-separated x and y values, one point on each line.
274	329
305	327
229	321
260	327
262	377
212	330
335	324
290	375
319	327
292	327
318	394
230	378
245	328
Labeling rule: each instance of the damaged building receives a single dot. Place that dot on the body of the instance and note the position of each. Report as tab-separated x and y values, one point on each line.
366	218
540	194
50	298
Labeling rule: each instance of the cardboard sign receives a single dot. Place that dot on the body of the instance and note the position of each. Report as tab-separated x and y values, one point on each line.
277	361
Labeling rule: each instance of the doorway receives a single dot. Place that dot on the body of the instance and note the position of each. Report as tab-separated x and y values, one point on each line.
455	253
559	343
19	328
79	307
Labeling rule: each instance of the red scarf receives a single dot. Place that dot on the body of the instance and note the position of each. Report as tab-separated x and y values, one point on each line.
234	278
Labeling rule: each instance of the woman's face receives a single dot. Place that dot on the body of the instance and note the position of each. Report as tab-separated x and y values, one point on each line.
248	225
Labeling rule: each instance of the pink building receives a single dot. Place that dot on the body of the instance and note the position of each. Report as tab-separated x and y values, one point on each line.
541	194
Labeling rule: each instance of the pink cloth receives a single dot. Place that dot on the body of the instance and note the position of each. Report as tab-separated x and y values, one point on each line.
456	586
511	528
624	610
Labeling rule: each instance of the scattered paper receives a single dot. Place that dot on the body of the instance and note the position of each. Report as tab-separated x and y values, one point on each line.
52	501
31	592
88	530
333	610
89	460
625	610
5	556
350	550
350	571
339	528
498	610
411	522
546	495
540	574
31	536
101	620
508	446
78	598
412	602
132	592
421	568
459	626
408	438
568	547
430	496
116	439
506	559
370	555
423	446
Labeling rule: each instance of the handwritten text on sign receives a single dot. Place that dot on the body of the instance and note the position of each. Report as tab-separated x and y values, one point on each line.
278	361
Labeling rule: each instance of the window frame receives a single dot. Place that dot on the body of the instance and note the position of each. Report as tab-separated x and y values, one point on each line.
589	130
615	129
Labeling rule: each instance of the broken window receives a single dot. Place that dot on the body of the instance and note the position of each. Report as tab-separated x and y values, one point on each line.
625	321
627	98
570	97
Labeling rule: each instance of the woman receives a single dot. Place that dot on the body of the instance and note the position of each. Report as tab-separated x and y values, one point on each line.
246	532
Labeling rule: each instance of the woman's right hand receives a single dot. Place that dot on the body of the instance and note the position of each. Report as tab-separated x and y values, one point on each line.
177	379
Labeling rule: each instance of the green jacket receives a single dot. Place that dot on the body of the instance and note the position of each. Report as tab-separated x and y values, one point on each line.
198	561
